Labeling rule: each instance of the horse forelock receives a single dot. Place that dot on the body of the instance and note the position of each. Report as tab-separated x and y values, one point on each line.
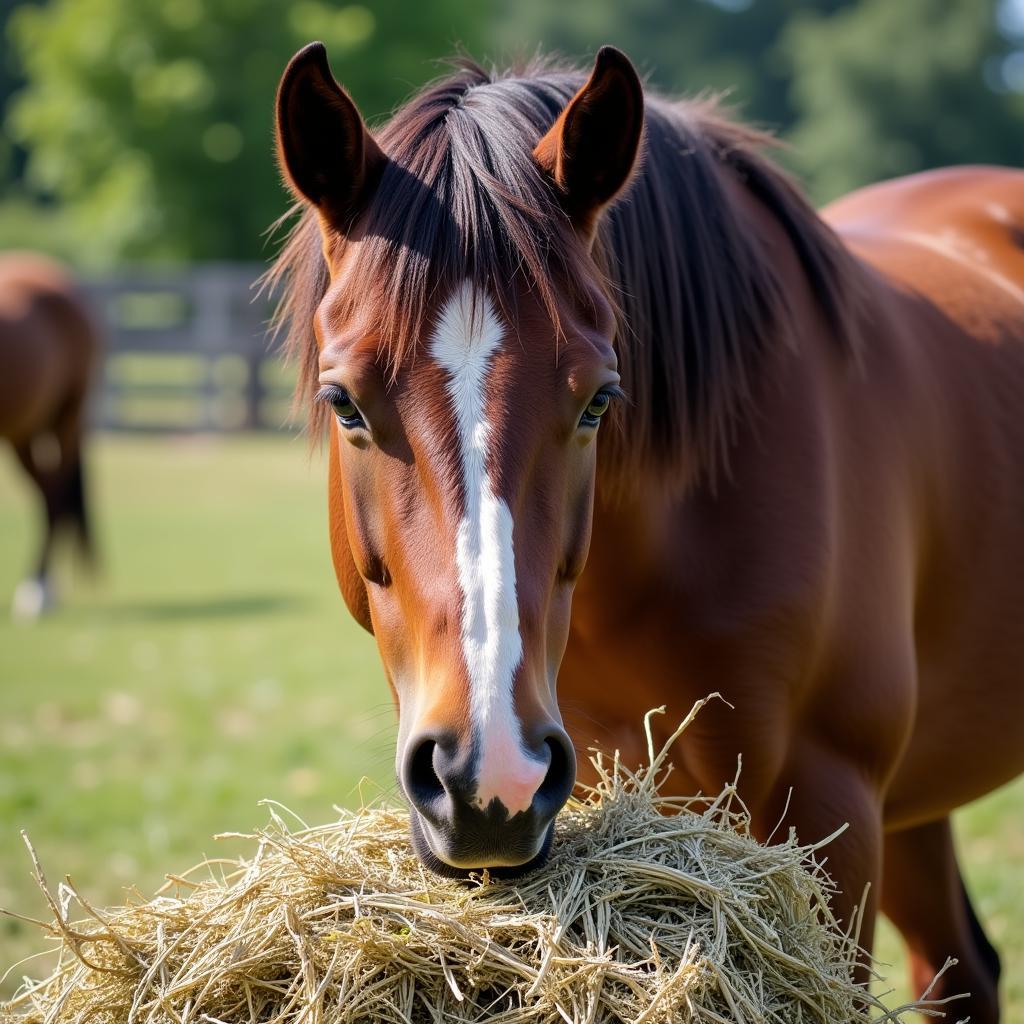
698	300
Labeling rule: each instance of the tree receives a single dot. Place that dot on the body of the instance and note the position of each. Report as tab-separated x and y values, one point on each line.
864	89
684	46
144	127
150	121
886	88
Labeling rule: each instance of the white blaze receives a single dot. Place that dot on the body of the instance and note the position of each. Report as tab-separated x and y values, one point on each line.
468	334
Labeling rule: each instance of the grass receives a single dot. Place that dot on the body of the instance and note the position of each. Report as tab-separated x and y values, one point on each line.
214	664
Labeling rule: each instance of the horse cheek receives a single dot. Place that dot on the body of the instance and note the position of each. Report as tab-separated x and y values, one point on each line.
350	581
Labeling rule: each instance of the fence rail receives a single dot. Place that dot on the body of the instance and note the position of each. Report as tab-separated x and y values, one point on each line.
188	350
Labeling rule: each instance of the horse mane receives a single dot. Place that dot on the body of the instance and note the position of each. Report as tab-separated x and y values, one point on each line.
698	298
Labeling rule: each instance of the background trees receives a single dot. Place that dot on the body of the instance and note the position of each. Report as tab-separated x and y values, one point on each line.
884	88
140	130
146	125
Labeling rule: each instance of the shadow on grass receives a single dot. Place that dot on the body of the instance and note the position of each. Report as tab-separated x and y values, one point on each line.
228	606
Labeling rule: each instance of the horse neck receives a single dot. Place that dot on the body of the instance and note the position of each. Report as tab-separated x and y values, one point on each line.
756	327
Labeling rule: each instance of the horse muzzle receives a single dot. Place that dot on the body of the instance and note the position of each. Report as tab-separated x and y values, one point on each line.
464	819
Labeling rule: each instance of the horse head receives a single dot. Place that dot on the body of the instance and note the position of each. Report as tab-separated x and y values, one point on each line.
463	365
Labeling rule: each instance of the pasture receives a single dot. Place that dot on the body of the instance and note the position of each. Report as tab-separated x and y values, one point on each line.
213	664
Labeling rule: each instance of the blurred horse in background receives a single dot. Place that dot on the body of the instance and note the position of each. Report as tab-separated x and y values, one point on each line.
49	349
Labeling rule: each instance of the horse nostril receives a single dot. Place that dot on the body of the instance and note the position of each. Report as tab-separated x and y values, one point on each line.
561	773
491	808
423	786
444	784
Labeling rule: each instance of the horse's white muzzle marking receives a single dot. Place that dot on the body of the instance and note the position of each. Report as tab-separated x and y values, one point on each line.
467	336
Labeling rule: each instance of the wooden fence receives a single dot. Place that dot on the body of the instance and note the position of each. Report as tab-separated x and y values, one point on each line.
188	350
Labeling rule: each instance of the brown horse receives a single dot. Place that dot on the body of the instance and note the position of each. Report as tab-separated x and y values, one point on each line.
808	491
49	347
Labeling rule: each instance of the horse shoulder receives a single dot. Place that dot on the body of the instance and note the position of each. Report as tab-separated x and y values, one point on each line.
723	588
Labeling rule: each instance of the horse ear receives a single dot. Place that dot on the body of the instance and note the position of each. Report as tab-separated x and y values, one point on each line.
328	156
591	149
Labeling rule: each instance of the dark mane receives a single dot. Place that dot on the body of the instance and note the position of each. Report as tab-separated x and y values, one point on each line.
699	300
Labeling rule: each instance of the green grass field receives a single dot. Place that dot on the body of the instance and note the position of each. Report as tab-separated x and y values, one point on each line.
213	664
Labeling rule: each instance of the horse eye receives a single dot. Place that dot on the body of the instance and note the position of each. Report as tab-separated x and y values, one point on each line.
596	409
344	408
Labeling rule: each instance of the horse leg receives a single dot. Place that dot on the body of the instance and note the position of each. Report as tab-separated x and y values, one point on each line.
69	430
53	460
823	791
34	595
924	896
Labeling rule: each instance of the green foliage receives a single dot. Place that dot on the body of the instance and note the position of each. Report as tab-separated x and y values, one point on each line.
864	89
143	130
150	120
888	88
684	46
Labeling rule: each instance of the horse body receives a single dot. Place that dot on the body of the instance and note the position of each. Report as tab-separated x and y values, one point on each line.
864	551
950	245
853	589
810	505
49	347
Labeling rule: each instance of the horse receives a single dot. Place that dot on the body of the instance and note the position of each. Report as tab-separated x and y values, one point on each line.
49	349
551	320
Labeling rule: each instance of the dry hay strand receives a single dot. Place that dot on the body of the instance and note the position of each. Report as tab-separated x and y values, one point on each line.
651	909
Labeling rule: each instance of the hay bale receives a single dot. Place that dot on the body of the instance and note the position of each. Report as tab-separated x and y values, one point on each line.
640	916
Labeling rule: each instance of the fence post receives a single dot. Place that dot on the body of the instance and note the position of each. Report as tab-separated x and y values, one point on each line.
211	326
219	317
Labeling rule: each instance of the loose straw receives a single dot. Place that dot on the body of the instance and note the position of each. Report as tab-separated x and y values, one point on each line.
651	909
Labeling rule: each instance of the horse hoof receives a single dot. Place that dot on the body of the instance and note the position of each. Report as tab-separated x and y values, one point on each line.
32	599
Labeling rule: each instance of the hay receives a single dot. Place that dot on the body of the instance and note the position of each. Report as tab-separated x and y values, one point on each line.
640	916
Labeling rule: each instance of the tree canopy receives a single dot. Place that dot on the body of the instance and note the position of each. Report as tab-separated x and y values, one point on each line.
140	130
149	122
882	89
